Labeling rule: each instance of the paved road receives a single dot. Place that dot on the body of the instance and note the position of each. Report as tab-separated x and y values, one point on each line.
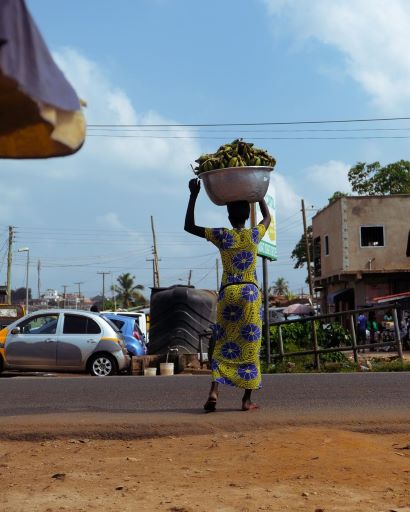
140	406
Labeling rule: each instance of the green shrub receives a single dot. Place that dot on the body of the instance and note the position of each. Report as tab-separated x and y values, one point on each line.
333	335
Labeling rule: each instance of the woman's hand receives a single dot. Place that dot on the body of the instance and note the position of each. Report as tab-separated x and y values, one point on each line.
194	186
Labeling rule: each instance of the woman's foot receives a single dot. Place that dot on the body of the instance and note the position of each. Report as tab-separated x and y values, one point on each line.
247	405
210	404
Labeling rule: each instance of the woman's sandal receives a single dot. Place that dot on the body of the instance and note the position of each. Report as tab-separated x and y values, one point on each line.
210	405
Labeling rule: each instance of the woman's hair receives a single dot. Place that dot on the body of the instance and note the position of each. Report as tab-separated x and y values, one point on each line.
238	211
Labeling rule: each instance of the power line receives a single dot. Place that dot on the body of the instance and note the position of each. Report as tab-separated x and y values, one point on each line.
197	137
305	130
270	123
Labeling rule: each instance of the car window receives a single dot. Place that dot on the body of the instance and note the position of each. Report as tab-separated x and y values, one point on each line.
41	324
78	324
137	327
118	323
111	322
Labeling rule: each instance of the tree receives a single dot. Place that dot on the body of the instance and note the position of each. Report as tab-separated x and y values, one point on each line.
299	252
280	287
19	294
127	291
373	179
337	195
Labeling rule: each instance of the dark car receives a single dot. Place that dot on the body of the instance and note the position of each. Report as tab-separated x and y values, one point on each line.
134	339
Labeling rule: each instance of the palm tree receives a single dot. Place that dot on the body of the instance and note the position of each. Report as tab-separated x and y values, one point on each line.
127	291
280	287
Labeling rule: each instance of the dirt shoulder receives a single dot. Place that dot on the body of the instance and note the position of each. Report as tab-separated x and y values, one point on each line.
253	467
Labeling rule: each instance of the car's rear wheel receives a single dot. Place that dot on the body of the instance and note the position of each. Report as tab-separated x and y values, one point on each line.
102	365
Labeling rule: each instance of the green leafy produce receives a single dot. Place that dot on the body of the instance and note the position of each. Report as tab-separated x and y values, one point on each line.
236	154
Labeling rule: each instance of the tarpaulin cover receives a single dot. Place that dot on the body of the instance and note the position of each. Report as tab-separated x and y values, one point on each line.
40	113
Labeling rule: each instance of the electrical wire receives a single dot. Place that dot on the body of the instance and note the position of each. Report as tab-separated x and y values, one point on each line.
271	123
190	137
305	130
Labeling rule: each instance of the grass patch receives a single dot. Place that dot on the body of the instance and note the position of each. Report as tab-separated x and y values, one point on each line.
304	364
380	365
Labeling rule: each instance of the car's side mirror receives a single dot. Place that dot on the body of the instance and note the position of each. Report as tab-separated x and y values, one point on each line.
16	330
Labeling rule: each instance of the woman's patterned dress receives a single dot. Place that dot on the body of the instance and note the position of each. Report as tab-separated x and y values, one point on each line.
238	328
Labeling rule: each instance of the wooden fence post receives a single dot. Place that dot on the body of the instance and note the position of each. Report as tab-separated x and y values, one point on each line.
397	334
354	342
281	350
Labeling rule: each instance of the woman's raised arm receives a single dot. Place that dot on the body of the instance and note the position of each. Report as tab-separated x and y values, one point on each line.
265	213
190	226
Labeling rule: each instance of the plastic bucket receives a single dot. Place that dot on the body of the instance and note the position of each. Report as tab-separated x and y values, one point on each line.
150	372
166	368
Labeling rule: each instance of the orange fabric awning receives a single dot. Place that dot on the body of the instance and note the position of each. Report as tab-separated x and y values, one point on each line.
389	298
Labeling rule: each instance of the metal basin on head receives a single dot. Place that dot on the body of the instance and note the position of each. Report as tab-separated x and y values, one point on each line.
236	184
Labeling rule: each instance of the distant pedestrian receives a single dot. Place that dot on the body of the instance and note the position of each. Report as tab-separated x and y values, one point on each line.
373	327
388	317
95	308
361	329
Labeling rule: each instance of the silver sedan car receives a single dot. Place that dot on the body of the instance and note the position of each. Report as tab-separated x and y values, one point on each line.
63	340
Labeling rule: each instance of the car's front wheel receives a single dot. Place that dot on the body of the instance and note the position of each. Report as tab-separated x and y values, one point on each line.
102	365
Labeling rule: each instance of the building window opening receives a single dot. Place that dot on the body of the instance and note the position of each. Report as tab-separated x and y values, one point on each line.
372	236
317	264
326	245
408	246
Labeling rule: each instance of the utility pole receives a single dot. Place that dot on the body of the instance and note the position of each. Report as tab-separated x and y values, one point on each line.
310	279
189	277
79	290
155	254
27	250
103	288
9	262
38	278
114	298
64	293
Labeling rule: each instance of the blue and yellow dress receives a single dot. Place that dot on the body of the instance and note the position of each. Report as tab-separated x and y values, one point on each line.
238	329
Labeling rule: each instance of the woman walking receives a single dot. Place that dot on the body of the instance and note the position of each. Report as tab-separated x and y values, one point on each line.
237	333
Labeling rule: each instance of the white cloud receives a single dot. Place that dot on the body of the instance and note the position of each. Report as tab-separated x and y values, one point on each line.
12	196
112	221
372	35
328	177
287	199
127	154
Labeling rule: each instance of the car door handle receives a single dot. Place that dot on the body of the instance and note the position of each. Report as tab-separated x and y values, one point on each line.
91	341
49	340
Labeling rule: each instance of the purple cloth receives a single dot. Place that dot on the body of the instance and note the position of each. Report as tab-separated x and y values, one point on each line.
25	58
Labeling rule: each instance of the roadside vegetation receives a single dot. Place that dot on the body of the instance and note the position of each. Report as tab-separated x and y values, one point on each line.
297	337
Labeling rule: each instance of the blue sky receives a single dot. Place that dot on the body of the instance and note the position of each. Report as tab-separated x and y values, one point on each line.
187	62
